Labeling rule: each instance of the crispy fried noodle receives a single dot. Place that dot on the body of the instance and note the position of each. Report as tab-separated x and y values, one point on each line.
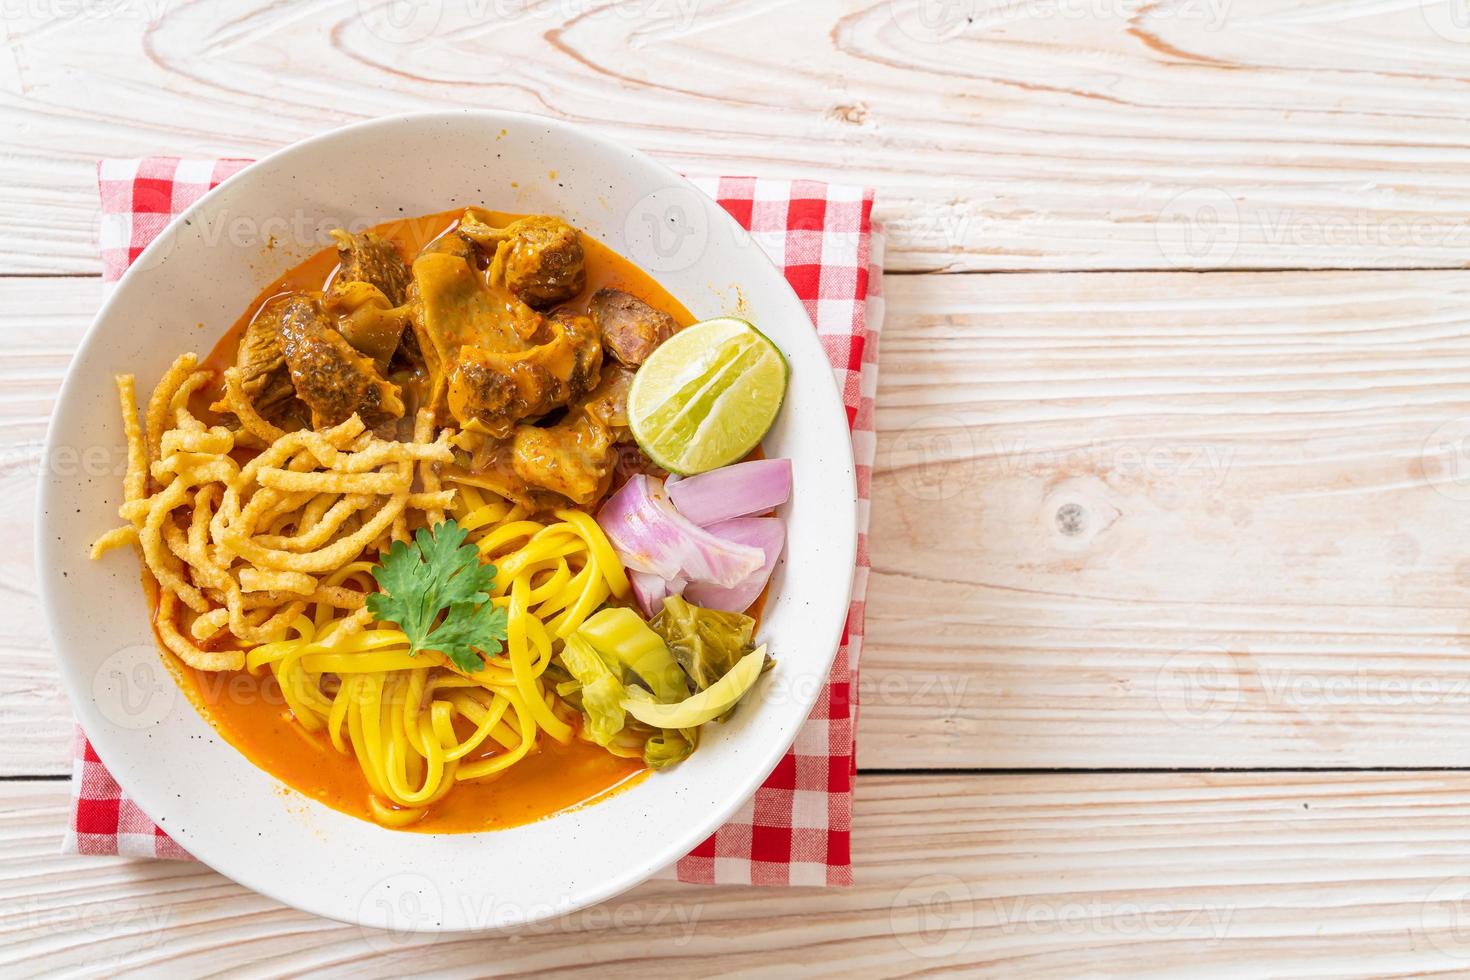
266	565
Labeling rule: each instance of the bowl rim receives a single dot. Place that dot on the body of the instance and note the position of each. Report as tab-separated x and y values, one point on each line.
763	761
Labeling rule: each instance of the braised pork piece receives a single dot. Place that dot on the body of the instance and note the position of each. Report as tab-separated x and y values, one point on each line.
476	327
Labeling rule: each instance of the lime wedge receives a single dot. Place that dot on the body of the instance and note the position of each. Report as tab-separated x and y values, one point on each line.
707	395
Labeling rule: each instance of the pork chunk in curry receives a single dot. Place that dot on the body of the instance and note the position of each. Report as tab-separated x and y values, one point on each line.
479	328
490	358
575	457
544	262
331	377
264	376
630	328
367	293
370	260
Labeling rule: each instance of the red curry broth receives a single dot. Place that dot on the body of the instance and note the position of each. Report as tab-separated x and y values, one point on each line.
251	713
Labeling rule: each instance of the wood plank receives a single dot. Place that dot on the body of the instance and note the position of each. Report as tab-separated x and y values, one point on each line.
1246	874
42	324
1001	135
1171	520
1270	568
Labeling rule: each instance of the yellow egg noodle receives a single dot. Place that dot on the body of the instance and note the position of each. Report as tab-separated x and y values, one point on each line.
269	552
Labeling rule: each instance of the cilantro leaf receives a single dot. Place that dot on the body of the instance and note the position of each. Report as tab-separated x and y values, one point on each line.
440	575
468	629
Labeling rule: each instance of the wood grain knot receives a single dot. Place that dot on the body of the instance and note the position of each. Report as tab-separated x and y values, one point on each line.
855	114
1071	519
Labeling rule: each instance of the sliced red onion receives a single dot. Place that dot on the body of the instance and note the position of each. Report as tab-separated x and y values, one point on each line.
651	591
765	533
738	490
649	535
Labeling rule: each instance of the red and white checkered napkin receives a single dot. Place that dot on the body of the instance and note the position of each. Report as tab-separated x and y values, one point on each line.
796	829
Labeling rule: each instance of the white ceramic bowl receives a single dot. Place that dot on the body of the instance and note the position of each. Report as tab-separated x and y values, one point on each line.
187	288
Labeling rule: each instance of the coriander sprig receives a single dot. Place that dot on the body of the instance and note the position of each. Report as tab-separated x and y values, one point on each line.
437	591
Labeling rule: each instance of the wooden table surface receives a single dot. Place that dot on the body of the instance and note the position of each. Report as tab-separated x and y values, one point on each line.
1166	664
